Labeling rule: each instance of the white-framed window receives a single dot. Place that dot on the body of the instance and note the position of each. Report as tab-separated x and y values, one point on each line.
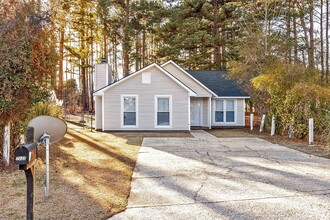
163	111
219	113
230	111
146	78
129	110
225	111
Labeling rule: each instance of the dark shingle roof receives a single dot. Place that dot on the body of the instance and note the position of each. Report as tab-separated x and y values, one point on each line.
216	80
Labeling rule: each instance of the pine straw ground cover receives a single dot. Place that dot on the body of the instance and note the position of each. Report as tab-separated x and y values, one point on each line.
90	176
318	149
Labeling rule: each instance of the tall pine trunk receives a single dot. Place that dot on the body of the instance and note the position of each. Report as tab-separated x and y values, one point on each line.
125	43
144	48
91	79
288	34
307	42
60	66
311	59
322	43
216	48
114	51
105	45
295	35
84	98
327	42
223	48
137	51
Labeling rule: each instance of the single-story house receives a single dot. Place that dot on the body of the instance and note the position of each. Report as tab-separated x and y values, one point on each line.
167	97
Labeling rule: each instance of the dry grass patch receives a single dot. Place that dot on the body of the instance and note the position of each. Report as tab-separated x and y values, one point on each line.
233	132
90	176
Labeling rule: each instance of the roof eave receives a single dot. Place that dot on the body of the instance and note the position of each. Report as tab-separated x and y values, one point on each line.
233	97
98	93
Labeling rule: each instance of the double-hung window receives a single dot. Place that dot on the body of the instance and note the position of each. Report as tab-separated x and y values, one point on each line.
230	111
219	113
163	113
129	110
224	111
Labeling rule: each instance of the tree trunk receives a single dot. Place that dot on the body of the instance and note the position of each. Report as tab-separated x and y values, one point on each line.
311	59
105	55
137	49
216	48
60	66
223	48
288	34
144	48
322	43
114	51
125	43
91	79
307	41
327	42
84	99
6	144
295	35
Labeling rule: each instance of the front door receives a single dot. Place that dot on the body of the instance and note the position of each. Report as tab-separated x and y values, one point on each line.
196	112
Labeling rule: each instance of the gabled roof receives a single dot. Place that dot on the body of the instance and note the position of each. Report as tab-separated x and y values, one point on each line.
217	81
102	90
189	75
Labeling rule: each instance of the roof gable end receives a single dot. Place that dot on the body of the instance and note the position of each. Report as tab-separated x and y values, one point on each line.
102	90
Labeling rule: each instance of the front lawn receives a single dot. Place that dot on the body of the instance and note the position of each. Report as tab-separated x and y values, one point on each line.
90	176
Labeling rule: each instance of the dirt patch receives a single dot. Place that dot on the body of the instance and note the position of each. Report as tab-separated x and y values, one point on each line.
301	145
90	176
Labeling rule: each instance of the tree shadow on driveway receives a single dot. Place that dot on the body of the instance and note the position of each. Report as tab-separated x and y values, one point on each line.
221	174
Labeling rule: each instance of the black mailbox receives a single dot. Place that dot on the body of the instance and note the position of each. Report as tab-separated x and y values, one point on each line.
25	155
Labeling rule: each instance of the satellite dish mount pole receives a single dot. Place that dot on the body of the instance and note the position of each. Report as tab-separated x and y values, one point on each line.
45	140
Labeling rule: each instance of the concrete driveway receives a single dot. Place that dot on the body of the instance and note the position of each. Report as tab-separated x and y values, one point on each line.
226	178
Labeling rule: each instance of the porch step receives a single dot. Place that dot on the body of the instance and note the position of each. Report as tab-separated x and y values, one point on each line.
200	134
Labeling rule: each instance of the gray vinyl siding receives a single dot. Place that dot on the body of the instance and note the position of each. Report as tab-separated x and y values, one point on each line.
198	89
240	113
160	85
98	112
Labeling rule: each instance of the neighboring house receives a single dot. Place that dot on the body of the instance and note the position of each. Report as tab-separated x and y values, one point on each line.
167	97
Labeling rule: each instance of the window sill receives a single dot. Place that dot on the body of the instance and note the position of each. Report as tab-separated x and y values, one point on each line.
164	126
224	123
129	126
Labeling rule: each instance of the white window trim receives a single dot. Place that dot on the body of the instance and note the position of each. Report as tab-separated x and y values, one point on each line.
189	120
136	110
156	110
103	110
224	112
201	121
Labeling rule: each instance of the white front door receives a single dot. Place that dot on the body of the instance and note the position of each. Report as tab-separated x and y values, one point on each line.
196	112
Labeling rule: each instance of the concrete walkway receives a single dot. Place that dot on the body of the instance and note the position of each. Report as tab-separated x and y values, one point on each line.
200	134
219	178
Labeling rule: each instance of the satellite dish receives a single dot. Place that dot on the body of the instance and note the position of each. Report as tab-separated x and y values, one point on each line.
50	125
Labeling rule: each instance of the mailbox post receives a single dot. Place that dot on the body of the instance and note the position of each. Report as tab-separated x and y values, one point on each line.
25	157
